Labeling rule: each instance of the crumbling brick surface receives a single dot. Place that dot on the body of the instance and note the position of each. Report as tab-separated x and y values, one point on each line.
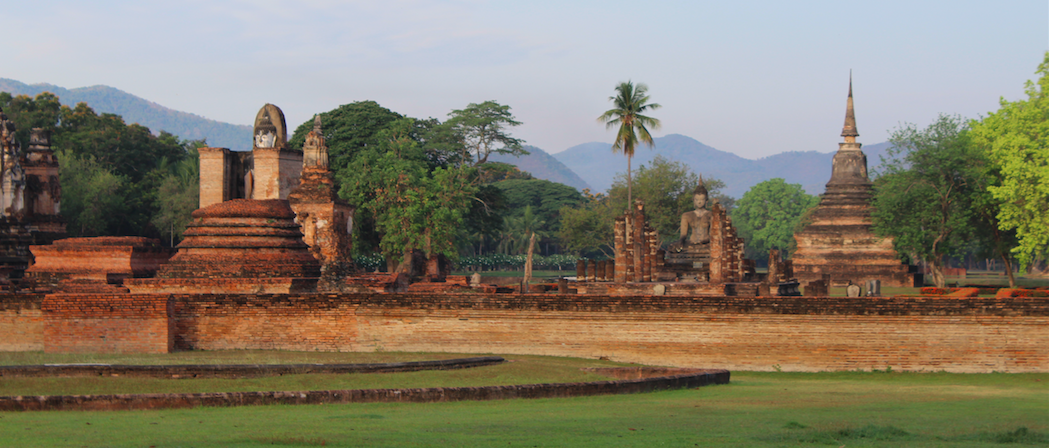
957	334
116	323
21	322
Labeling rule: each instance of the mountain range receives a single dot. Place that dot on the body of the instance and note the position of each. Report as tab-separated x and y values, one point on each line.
105	99
598	166
589	165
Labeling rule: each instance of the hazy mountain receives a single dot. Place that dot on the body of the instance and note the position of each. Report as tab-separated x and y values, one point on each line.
598	166
104	99
543	166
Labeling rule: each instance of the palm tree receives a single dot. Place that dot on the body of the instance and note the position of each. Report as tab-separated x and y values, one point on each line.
631	101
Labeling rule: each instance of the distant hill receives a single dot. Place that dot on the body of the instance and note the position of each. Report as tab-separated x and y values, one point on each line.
104	99
598	166
543	166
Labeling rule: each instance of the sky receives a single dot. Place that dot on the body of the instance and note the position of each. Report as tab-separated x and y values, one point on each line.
754	78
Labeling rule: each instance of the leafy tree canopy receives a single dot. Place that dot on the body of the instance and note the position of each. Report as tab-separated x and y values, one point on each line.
348	130
544	198
925	197
1016	138
768	214
484	129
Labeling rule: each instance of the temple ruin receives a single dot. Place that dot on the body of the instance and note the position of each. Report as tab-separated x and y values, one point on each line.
30	196
840	242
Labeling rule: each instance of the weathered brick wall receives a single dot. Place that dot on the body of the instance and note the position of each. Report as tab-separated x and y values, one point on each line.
107	323
795	333
736	333
21	322
280	322
803	334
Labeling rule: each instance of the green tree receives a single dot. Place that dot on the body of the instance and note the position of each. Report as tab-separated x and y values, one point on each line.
1016	138
587	229
178	194
93	197
544	198
413	206
768	214
27	113
348	130
483	130
518	229
630	103
925	197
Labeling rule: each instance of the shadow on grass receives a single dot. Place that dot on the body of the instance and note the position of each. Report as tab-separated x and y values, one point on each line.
800	433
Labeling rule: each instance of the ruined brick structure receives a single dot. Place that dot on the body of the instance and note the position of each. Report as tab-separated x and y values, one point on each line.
726	249
637	247
326	219
965	334
273	171
99	264
270	171
30	195
840	242
247	243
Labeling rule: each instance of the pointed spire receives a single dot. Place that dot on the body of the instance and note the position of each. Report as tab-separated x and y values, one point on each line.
849	130
317	123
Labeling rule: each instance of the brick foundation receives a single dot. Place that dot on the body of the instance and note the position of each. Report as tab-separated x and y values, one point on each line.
116	323
737	333
21	323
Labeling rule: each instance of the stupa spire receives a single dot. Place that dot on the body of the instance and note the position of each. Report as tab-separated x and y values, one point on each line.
849	130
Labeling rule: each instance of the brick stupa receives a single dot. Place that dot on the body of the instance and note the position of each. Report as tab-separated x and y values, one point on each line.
241	245
840	242
326	219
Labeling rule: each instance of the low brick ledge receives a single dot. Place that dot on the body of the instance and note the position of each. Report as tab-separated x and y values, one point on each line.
696	378
239	370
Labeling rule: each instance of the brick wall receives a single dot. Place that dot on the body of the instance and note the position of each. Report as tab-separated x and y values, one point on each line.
790	333
278	322
107	323
21	323
736	333
800	334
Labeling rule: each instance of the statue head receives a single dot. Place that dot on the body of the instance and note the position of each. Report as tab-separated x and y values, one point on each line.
700	195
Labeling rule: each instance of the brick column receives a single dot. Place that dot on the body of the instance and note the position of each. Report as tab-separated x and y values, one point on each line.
620	242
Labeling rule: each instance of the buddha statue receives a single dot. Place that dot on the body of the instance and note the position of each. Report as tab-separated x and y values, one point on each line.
695	224
689	258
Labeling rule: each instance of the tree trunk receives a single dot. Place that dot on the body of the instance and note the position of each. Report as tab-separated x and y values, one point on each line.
528	261
937	273
1009	269
629	184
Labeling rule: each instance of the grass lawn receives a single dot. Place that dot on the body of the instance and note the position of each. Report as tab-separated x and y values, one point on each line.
852	409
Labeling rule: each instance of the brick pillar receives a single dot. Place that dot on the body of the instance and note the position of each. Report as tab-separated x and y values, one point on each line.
717	245
774	267
600	274
580	270
215	173
610	270
650	254
631	263
620	242
591	271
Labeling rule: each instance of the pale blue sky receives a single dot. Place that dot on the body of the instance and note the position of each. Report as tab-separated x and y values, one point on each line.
750	77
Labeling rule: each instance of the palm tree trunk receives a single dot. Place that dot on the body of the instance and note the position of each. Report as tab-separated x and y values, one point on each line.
629	185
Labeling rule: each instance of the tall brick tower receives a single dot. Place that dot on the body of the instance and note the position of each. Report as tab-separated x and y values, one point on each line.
840	242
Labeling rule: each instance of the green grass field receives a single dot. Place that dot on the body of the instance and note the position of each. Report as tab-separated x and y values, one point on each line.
852	409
